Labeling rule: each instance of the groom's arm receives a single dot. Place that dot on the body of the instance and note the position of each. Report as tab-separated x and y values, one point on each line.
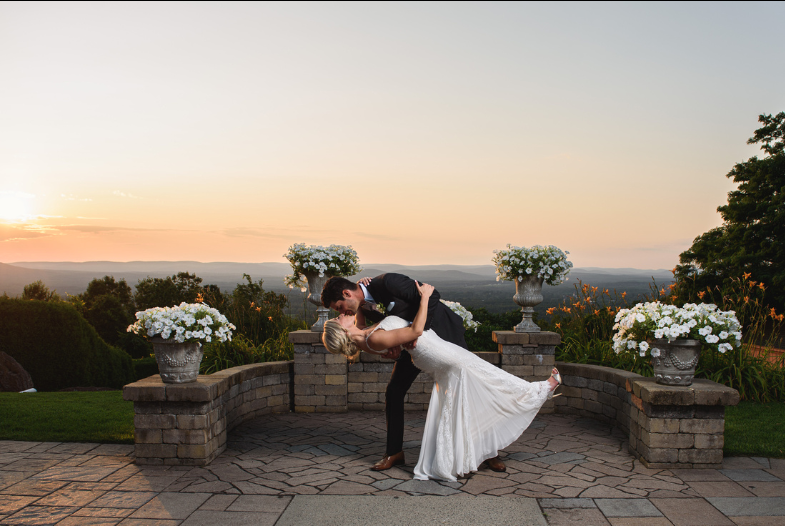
403	287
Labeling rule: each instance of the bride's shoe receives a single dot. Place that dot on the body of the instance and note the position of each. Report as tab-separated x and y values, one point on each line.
556	376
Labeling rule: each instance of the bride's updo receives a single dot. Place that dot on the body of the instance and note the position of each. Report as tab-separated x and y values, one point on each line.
336	339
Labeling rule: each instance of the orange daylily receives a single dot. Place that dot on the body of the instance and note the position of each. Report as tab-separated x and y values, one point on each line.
701	294
747	275
746	299
760	286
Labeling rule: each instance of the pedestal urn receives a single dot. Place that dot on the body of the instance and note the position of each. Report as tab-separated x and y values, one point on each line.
178	363
528	293
676	362
315	285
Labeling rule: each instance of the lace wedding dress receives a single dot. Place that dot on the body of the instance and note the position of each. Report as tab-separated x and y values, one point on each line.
476	408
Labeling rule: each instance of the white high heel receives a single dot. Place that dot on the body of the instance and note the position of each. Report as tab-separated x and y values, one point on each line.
556	376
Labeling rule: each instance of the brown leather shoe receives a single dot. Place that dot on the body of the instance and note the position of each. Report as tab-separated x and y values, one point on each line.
388	462
496	464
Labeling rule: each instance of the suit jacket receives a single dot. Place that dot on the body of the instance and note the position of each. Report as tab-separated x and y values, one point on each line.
401	290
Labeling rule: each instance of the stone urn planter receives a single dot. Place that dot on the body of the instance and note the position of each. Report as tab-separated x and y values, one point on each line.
676	362
528	293
178	363
315	286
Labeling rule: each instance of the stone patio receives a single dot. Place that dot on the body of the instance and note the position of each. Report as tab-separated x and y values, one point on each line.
280	468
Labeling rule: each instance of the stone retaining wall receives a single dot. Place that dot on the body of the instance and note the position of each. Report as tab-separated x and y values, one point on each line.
668	426
186	424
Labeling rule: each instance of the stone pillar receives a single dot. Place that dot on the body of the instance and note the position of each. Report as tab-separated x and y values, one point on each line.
679	426
528	355
320	378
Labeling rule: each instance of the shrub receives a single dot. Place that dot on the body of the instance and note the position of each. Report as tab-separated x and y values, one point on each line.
58	347
242	351
482	339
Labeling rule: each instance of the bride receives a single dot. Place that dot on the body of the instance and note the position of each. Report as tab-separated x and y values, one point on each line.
476	409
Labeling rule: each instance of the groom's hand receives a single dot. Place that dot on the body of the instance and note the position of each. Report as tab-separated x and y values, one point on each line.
411	345
393	353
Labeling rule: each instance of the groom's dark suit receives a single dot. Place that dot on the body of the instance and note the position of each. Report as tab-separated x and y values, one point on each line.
401	290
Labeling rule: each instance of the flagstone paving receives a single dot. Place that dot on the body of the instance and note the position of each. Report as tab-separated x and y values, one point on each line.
578	471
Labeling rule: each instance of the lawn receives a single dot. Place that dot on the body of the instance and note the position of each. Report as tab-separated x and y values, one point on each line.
753	429
98	416
750	428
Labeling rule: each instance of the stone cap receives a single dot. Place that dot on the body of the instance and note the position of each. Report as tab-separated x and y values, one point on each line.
701	392
305	336
204	389
526	338
618	377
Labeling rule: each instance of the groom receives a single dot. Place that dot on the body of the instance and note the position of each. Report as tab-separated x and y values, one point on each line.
399	296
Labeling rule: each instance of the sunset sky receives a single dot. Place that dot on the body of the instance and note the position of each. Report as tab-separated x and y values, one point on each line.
428	133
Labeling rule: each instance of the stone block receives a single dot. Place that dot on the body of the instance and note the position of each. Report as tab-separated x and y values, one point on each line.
185	436
330	409
577	403
513	350
155	450
330	390
711	393
154	421
304	390
308	379
355	387
304	408
702	426
658	454
575	381
592	406
304	368
716	412
191	421
546	350
514	359
147	408
363	398
716	441
147	436
363	377
335	379
336	401
700	456
542	371
490	357
421	398
569	392
589	394
314	400
595	385
377	387
304	337
330	369
660	425
609	411
145	391
192	451
667	440
511	337
335	359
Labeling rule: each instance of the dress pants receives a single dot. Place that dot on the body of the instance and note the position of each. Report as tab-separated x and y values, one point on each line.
403	375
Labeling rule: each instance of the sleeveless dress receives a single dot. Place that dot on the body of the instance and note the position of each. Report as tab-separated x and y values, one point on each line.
475	410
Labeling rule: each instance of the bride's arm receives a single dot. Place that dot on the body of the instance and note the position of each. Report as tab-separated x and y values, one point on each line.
387	339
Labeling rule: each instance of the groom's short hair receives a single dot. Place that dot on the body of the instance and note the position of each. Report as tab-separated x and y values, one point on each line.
333	289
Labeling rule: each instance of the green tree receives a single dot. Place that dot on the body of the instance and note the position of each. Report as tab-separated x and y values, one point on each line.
107	286
750	241
169	291
38	291
109	317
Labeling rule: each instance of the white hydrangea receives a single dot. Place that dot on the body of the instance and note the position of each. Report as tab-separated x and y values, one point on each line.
185	322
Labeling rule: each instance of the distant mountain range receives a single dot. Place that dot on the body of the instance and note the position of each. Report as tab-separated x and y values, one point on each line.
472	285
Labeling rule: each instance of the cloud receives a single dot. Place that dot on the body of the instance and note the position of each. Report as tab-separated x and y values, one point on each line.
126	195
97	229
72	197
254	232
12	232
379	237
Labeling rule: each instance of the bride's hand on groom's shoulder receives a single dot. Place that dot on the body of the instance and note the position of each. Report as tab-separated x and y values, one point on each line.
424	289
364	281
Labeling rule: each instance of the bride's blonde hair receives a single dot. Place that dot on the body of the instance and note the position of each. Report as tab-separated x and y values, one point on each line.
336	340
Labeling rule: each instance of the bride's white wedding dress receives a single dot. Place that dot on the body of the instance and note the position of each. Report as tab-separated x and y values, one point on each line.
476	408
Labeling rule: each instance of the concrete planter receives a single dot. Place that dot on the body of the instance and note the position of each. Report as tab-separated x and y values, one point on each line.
677	361
528	293
178	363
315	286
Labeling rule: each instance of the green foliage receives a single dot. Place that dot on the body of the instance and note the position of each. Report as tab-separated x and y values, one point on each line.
57	346
242	351
109	317
107	286
750	239
38	291
144	367
586	320
167	292
101	416
136	346
482	340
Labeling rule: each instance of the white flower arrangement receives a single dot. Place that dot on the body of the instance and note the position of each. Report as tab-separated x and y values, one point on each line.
715	329
335	260
187	322
466	316
515	263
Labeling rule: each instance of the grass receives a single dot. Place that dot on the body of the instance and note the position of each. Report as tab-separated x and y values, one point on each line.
99	416
751	429
754	429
